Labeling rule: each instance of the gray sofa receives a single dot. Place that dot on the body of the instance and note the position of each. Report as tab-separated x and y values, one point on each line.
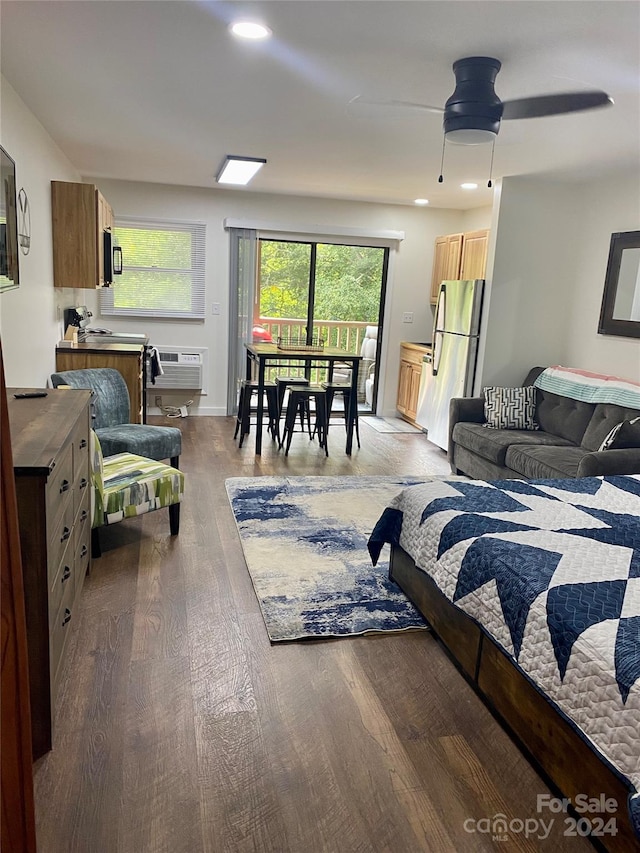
566	445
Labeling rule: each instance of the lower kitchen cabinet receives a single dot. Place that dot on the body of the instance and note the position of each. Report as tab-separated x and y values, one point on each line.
50	446
409	379
128	359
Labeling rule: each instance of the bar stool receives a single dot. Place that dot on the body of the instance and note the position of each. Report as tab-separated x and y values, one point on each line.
282	382
299	402
333	388
243	419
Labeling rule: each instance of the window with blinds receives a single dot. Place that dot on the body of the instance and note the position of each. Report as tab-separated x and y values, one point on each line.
162	270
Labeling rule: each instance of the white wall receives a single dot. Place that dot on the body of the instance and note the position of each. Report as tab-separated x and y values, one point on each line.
476	218
607	206
546	275
531	278
29	315
408	286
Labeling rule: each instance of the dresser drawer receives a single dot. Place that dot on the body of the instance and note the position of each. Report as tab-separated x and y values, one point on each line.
65	577
60	485
80	445
60	628
59	538
82	491
82	541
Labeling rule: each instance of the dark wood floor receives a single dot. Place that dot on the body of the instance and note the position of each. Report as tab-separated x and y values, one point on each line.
181	729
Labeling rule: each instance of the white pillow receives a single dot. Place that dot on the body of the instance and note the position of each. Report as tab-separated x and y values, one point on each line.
510	408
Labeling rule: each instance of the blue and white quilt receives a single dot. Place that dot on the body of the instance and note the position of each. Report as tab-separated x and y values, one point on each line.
551	570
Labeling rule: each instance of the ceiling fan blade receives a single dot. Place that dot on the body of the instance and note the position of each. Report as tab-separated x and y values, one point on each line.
549	105
360	100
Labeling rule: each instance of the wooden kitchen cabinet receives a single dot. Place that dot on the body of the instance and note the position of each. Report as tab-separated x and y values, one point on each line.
459	256
409	379
128	359
80	216
473	262
50	446
446	261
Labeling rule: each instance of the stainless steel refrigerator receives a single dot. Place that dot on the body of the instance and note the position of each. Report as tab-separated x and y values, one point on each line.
452	370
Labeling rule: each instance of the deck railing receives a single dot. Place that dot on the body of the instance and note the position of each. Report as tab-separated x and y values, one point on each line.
347	336
335	333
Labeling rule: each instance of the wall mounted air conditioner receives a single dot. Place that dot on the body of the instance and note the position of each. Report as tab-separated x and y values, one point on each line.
182	370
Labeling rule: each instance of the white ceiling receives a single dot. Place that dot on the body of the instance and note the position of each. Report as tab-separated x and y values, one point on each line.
160	91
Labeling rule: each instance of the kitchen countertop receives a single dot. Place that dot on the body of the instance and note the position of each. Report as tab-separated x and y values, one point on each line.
421	347
98	347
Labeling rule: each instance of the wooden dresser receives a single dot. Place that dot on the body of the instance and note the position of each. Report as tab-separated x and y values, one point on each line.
128	359
50	445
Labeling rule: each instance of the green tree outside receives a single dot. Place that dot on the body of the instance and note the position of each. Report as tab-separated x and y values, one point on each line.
347	287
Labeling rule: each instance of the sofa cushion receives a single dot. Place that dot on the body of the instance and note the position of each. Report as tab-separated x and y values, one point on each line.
535	461
563	416
510	408
492	444
605	417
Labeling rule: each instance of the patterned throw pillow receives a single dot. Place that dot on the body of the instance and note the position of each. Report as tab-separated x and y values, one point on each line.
623	435
510	408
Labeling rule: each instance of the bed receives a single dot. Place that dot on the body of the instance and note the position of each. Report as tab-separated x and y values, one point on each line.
534	588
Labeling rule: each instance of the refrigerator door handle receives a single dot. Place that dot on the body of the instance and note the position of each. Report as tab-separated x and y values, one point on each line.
437	334
437	352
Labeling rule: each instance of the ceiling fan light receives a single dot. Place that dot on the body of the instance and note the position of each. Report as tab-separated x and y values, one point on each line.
470	136
249	30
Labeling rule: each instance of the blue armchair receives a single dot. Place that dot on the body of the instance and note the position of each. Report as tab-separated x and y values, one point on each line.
111	416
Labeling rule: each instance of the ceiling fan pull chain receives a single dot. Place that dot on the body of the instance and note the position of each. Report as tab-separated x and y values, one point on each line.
493	148
441	179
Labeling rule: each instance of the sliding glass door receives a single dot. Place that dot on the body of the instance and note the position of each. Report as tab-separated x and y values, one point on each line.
310	292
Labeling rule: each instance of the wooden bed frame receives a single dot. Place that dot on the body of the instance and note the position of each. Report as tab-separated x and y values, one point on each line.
554	748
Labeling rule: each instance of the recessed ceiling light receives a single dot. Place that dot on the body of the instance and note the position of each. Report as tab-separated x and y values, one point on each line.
421	201
469	186
250	30
239	170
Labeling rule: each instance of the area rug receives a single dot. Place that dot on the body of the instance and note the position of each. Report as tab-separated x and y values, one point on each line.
391	425
305	544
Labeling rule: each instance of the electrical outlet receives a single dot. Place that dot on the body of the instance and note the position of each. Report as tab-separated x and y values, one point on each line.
407	317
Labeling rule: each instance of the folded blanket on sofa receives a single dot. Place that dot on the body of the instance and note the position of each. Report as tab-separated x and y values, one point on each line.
589	387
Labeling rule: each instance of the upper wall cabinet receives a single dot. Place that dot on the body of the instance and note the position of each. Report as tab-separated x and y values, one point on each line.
459	256
82	222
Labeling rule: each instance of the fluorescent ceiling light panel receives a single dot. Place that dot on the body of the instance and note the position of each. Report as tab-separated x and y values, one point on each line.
421	201
469	186
239	170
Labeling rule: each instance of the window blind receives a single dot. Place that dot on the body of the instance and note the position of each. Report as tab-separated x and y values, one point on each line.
162	272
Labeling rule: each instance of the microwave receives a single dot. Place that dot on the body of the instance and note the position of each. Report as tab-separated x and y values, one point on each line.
112	255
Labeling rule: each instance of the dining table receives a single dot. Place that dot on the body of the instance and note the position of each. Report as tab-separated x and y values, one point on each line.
261	356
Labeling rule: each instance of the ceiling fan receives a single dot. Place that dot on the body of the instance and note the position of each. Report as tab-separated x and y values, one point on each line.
472	114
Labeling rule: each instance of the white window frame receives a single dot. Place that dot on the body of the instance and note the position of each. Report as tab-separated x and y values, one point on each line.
197	271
